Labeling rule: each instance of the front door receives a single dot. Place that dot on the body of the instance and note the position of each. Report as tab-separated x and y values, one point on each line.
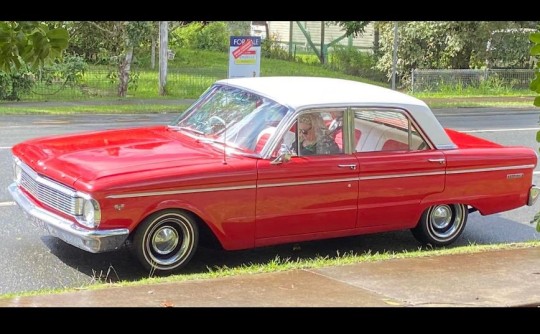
316	191
306	195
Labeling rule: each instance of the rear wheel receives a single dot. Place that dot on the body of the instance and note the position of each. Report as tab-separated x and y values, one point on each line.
441	224
166	240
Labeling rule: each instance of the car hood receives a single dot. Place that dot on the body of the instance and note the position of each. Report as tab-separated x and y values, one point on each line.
94	155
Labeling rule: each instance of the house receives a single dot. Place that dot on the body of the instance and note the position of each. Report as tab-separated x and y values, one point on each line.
299	34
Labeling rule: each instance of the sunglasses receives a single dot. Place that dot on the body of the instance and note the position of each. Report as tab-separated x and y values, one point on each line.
305	131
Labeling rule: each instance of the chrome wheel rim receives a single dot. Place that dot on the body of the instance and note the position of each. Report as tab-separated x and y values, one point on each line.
169	242
165	240
445	221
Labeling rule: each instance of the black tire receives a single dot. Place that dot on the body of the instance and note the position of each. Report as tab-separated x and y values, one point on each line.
441	225
165	241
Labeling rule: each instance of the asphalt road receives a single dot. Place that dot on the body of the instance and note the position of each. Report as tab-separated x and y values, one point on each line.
31	261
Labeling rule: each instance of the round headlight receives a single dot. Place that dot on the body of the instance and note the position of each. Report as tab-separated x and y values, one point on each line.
91	214
88	211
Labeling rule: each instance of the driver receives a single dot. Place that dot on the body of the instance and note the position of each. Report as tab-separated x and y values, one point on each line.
313	136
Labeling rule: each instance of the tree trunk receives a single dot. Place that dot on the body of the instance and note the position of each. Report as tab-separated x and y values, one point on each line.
266	29
376	43
153	56
123	72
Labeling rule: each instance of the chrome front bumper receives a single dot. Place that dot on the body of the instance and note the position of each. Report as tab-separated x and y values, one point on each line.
534	192
94	241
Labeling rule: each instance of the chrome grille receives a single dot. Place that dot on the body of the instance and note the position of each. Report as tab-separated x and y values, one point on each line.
50	192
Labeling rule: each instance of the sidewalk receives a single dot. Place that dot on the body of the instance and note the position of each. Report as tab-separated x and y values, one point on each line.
502	278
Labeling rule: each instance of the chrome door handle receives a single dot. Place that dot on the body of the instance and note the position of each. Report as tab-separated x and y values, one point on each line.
441	161
352	166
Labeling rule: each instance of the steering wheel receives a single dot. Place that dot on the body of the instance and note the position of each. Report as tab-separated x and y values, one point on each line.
211	122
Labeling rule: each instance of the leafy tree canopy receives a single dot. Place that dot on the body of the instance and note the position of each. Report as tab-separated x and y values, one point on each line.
451	45
30	42
353	28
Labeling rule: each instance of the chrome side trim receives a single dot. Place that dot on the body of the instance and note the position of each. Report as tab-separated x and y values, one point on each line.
191	191
94	241
492	169
287	184
391	176
271	185
176	192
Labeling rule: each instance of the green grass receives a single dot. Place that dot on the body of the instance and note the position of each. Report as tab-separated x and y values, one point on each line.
444	104
278	264
191	72
472	92
113	107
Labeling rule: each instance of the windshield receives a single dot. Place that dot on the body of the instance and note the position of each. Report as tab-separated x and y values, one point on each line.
232	115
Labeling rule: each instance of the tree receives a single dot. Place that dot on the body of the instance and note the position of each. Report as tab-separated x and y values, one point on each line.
30	43
440	44
117	42
352	28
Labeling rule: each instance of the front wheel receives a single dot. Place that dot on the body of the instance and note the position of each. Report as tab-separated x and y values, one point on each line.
441	224
166	241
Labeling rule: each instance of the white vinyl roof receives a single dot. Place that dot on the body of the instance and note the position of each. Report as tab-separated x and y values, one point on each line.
298	92
302	92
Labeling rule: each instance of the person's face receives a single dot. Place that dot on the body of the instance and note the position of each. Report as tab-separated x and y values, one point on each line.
304	129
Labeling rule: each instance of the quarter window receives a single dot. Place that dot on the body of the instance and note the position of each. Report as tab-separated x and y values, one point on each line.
385	130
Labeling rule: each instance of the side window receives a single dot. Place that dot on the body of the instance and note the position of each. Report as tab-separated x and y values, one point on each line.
318	132
385	130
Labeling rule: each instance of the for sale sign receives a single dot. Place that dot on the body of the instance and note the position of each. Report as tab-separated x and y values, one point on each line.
244	56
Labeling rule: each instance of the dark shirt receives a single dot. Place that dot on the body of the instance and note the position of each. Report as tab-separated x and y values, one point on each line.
325	145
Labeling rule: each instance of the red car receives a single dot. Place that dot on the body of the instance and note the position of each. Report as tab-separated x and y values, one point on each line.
263	161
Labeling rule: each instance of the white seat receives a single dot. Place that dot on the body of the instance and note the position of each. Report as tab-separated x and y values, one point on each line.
265	135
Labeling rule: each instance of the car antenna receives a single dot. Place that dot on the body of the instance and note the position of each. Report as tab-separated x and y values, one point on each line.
225	145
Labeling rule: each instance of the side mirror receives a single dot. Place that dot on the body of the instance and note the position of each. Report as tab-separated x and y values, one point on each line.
284	155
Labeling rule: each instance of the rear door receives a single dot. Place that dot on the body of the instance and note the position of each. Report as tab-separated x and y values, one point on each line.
398	168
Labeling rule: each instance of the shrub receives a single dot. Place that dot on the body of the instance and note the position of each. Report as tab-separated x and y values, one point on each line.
69	71
352	61
213	36
271	48
13	85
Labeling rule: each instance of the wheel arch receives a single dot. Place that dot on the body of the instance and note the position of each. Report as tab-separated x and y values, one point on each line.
208	233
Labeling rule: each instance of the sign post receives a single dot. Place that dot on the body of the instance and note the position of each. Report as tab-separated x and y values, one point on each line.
244	56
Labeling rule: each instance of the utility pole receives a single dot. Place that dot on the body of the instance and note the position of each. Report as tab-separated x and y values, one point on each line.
394	56
163	56
323	53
